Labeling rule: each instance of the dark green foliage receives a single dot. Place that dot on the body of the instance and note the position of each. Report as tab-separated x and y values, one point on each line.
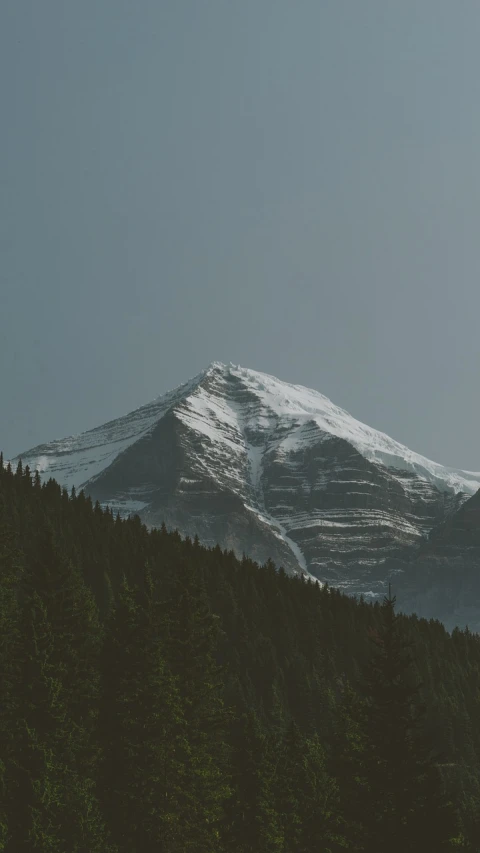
51	780
144	783
307	800
10	571
191	634
402	780
392	792
252	822
156	695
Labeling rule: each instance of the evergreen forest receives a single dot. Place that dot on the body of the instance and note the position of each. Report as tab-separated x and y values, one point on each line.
157	696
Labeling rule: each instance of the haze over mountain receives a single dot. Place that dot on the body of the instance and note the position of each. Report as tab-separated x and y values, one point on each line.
267	468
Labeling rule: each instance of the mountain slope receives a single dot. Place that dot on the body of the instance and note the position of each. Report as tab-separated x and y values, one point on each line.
441	578
262	466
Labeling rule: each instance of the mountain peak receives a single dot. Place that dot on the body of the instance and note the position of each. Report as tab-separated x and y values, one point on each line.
215	407
261	465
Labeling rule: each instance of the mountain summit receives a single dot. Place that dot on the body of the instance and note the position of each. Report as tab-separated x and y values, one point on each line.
266	468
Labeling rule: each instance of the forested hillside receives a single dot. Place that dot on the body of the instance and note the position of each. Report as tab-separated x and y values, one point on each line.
160	696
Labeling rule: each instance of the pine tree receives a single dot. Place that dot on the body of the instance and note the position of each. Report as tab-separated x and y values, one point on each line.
251	820
346	764
287	788
53	805
307	800
320	815
144	790
10	569
192	632
405	809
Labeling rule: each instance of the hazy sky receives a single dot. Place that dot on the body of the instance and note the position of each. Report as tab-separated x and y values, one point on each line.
290	186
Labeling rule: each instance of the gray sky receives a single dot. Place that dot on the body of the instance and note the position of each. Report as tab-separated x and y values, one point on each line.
291	186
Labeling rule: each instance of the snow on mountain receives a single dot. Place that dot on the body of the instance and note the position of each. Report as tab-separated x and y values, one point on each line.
295	403
77	459
265	467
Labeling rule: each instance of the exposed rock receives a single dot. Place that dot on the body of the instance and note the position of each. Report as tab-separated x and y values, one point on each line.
277	470
441	579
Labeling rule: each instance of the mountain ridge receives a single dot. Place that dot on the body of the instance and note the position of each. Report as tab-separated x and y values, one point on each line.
267	467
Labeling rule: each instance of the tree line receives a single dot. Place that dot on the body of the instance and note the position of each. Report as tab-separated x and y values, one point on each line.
156	695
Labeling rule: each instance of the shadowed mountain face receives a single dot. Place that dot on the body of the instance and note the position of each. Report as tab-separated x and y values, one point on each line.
441	579
461	530
270	469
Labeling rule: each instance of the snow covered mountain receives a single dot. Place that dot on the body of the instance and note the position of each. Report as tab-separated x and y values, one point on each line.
266	468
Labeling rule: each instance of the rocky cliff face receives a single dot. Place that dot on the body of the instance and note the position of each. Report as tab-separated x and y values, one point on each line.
441	578
266	468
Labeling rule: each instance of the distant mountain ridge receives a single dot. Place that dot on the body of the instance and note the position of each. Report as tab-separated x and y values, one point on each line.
266	468
441	578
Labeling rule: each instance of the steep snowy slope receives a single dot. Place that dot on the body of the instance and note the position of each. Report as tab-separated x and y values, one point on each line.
264	467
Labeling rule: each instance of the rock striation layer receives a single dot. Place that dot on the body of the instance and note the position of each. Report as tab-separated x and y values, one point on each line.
441	578
267	468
